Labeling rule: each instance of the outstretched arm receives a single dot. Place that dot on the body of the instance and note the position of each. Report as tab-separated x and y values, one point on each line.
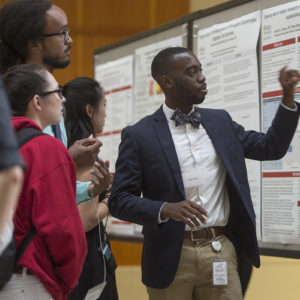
274	144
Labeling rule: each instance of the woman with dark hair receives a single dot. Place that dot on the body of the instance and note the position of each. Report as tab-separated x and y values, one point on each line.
52	261
85	115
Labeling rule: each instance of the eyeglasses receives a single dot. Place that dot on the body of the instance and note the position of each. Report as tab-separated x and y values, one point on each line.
59	91
65	33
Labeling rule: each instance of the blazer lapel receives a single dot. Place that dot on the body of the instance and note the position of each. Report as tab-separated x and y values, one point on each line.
163	133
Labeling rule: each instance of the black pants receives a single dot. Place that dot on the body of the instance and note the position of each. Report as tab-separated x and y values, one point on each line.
93	269
110	291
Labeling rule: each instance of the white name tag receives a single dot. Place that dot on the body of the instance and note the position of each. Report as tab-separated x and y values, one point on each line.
95	292
191	179
219	267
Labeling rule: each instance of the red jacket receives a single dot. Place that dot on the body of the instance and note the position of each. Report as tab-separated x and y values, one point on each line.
47	202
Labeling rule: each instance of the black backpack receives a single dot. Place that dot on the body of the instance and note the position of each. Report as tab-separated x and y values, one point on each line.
10	257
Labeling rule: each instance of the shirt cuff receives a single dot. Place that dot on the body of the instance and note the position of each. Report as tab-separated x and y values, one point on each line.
82	192
159	219
288	108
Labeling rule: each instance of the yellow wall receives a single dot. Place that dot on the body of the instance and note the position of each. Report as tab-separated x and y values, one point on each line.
203	4
276	279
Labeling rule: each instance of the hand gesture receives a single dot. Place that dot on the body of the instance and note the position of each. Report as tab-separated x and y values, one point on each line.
85	151
186	211
288	79
101	178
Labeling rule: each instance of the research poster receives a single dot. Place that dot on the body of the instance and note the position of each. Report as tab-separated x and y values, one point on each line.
131	95
148	95
281	179
116	77
228	54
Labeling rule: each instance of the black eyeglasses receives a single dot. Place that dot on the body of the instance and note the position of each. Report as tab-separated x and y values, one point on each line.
59	91
65	33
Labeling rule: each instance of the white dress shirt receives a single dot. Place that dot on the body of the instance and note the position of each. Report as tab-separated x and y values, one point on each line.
198	159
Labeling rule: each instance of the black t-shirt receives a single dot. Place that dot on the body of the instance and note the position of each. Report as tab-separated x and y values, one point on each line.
9	156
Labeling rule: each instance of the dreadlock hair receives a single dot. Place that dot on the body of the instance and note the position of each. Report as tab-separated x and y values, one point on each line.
21	21
80	92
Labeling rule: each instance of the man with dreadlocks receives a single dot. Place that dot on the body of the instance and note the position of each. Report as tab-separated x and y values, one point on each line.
36	32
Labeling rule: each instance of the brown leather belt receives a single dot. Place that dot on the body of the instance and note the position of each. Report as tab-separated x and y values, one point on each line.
206	233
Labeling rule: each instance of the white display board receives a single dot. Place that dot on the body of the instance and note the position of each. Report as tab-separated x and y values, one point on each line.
274	185
116	77
281	178
227	52
242	44
148	95
131	94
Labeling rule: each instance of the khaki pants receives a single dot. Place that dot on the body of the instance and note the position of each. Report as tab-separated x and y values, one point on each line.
193	279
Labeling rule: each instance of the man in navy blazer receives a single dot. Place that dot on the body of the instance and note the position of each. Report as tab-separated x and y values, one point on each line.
181	174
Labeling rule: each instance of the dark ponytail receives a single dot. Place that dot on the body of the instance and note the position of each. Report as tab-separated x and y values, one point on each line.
80	92
22	82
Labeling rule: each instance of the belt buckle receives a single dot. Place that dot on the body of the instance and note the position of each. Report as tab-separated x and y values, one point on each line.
192	236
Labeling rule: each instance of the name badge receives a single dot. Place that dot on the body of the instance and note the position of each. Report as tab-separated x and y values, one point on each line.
219	267
95	292
107	252
191	179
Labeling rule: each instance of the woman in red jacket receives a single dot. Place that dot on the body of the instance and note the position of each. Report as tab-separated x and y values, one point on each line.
52	262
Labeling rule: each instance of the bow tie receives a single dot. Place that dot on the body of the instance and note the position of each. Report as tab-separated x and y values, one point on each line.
194	117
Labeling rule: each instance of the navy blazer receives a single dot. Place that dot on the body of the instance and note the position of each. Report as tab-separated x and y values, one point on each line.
148	174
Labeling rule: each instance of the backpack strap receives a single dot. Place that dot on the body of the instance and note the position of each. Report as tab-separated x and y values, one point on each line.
26	241
24	136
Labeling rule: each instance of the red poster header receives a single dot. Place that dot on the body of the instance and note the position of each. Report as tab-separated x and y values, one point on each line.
123	88
109	133
272	94
277	93
279	44
280	174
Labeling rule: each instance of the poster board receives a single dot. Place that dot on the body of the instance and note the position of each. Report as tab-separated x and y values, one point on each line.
277	244
131	93
250	25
